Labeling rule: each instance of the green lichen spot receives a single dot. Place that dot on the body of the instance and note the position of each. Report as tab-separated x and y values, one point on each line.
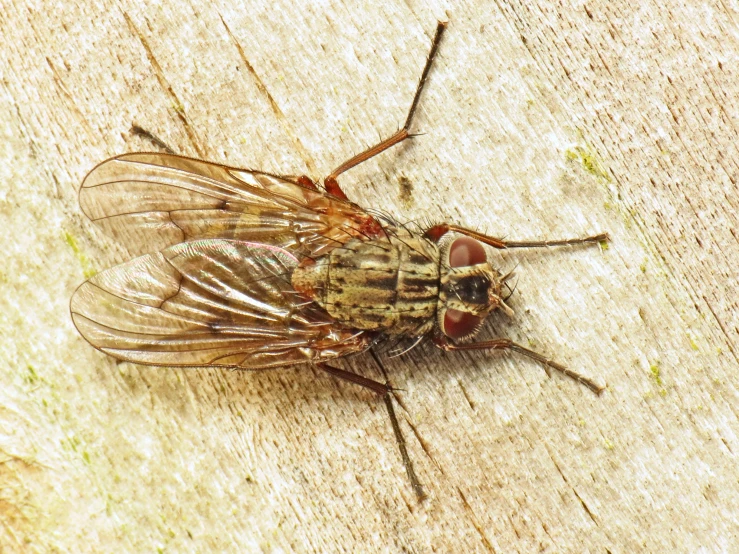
589	160
87	269
693	344
654	368
70	443
32	376
69	239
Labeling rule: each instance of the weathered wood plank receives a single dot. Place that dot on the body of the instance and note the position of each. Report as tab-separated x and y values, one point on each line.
540	120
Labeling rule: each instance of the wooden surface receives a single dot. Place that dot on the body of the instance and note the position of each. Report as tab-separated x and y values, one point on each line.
540	120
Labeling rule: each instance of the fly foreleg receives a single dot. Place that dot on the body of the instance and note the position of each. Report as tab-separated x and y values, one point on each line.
507	344
437	231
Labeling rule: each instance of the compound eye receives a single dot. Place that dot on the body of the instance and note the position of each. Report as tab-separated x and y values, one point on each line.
458	324
466	251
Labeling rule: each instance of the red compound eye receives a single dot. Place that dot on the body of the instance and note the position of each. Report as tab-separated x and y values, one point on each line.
459	324
466	251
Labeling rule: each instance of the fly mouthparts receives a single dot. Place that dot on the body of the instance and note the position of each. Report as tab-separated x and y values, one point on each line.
506	308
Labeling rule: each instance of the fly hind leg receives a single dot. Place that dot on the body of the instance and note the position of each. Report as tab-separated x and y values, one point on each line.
374	386
330	183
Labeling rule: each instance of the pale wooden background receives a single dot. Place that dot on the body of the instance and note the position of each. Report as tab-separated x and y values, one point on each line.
541	119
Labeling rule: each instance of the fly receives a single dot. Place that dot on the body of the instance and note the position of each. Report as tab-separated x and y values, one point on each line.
245	269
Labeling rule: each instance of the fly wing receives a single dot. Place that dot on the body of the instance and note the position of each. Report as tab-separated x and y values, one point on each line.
149	201
209	302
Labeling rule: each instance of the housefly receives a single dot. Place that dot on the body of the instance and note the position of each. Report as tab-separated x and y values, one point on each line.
245	269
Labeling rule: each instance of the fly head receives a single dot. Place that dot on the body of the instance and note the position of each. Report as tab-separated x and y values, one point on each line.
470	289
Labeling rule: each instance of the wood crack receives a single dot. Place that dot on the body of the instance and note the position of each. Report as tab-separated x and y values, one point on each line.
166	87
302	151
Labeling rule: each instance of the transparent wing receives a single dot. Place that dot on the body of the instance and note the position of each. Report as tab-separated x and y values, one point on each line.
209	302
149	201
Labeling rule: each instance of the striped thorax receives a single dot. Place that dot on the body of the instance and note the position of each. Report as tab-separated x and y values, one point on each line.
386	285
404	286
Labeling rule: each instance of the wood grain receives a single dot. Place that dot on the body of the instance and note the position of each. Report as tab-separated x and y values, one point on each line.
540	120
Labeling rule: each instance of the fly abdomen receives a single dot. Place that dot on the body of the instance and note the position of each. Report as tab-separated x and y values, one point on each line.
387	285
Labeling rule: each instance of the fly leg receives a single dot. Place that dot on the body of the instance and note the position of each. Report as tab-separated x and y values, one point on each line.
148	135
383	391
374	386
437	231
330	183
507	344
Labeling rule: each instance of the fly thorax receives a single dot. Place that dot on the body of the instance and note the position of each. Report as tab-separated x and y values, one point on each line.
469	289
388	285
